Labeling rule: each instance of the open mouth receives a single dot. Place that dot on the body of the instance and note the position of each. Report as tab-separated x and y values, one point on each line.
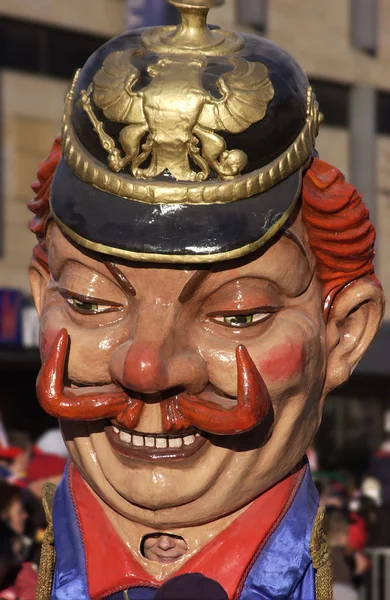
153	446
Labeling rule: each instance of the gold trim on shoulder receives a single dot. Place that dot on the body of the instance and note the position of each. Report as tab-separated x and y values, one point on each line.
321	559
180	258
90	170
48	553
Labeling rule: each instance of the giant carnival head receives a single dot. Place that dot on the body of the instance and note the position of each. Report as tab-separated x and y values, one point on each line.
202	278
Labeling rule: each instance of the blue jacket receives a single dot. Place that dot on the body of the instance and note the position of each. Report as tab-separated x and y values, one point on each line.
283	570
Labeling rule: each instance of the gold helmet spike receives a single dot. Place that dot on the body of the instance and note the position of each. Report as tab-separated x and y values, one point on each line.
196	3
193	34
193	27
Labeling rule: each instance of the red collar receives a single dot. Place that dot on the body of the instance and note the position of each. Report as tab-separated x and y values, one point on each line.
241	541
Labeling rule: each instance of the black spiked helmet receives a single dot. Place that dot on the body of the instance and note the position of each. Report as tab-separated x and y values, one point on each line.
183	144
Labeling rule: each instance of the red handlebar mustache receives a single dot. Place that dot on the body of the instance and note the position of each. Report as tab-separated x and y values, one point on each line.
179	413
82	404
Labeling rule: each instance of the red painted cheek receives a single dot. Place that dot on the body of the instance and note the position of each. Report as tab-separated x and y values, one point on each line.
47	339
283	362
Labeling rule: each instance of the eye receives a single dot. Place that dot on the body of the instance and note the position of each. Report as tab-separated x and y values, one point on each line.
89	306
240	320
92	308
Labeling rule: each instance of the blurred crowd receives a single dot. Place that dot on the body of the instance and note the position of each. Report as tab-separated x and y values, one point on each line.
357	519
24	469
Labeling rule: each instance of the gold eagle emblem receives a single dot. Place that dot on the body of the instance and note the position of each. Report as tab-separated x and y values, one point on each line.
171	123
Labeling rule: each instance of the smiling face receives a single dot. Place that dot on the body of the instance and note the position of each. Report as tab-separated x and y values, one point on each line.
164	548
154	331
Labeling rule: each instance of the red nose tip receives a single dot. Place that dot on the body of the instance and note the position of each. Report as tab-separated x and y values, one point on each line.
144	369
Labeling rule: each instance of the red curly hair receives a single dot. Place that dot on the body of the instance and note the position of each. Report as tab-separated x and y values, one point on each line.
39	205
340	233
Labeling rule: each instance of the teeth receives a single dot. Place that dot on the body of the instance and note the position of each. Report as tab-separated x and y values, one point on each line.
188	440
175	442
138	440
125	437
154	441
161	442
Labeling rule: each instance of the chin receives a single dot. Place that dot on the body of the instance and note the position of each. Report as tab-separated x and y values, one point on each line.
207	483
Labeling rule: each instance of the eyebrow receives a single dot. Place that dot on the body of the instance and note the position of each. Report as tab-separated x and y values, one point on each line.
200	276
292	236
192	284
197	278
120	277
69	294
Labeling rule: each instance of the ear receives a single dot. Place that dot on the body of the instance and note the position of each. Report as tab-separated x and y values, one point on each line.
354	319
39	278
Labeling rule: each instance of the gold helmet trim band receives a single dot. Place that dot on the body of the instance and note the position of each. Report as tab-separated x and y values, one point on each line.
90	170
181	258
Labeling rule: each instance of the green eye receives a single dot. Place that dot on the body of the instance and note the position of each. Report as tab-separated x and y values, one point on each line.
90	308
241	321
238	320
86	306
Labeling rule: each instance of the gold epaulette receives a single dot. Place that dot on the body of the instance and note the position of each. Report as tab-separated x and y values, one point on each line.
48	553
321	559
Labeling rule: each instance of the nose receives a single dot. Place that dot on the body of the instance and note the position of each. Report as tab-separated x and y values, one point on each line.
148	367
165	542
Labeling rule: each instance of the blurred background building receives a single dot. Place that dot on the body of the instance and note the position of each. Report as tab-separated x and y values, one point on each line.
343	45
